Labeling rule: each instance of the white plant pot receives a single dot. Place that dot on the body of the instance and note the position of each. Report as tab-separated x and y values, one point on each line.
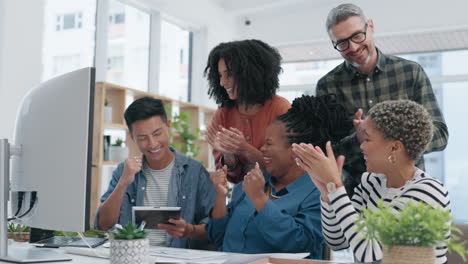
129	251
118	154
108	114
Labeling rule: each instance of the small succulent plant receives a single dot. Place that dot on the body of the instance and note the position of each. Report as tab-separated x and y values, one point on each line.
128	232
15	228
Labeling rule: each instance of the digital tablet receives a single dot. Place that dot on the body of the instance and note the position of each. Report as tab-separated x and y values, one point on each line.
154	215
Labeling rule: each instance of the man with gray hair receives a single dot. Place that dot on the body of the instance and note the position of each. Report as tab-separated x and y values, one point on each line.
367	77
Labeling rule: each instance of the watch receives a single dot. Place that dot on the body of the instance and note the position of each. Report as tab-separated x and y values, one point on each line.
331	187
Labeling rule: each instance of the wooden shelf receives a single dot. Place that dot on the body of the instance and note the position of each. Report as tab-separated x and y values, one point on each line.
106	162
114	125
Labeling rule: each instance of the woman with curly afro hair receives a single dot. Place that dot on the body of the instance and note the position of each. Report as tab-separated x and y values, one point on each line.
243	79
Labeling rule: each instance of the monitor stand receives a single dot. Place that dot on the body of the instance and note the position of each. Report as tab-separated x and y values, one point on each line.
17	254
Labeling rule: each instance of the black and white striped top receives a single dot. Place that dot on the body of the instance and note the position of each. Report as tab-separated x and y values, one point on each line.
338	218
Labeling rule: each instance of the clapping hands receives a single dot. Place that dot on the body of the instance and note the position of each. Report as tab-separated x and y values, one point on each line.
253	185
322	168
219	180
228	141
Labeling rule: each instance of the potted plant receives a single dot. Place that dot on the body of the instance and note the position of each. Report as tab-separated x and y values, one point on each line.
411	235
129	244
18	232
118	152
107	112
184	138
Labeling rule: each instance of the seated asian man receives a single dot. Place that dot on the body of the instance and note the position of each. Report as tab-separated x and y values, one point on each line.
161	176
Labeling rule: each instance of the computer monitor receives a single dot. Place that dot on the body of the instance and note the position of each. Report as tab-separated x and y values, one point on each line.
54	132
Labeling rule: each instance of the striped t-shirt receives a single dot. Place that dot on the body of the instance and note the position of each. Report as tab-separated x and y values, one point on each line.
338	218
157	185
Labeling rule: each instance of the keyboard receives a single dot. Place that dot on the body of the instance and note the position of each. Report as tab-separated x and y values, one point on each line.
62	241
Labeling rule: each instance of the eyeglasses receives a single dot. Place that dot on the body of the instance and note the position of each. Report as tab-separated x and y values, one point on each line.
357	38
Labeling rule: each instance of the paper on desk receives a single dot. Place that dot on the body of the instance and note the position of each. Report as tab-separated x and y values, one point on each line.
184	254
247	258
177	255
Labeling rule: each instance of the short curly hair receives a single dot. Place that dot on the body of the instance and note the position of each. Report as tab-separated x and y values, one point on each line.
255	67
406	121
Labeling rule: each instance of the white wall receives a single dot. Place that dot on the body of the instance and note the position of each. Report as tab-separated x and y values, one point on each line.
20	53
306	21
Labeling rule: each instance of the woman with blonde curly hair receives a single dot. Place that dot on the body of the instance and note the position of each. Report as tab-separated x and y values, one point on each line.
396	134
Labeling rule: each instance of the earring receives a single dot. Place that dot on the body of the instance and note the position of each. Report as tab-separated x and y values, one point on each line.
391	159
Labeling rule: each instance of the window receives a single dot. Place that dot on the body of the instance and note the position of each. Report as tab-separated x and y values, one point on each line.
300	78
117	18
65	49
300	73
69	21
128	46
174	69
115	63
449	79
65	63
455	157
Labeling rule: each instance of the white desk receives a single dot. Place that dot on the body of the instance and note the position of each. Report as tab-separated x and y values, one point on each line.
75	258
223	256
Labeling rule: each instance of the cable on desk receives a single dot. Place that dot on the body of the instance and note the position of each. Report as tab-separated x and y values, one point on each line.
95	252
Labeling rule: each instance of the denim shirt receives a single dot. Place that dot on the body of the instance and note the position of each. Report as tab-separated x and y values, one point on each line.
189	188
288	224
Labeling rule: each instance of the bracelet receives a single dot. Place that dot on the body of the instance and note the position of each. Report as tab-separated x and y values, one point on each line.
230	167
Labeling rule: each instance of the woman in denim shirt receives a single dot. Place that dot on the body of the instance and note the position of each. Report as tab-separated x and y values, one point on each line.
279	210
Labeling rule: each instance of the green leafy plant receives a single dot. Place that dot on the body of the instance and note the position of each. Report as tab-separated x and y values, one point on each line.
181	128
118	143
106	103
17	228
417	225
128	232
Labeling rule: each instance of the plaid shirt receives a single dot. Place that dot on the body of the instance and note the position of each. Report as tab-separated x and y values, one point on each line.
393	78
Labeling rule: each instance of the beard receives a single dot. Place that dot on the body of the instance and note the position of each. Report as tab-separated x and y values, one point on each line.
358	65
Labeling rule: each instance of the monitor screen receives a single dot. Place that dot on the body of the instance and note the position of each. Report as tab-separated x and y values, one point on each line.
54	128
